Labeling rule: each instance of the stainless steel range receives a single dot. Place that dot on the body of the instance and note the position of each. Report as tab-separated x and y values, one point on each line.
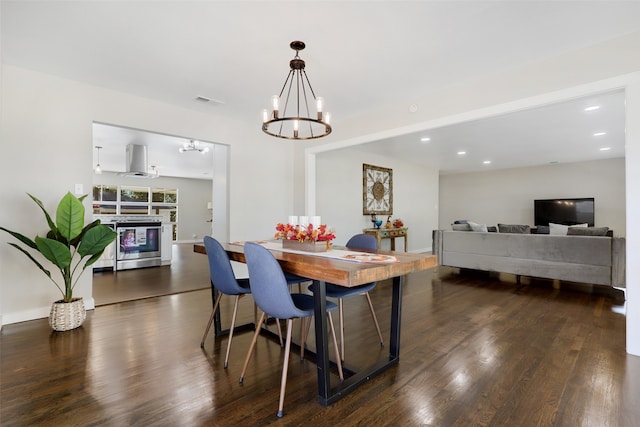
139	240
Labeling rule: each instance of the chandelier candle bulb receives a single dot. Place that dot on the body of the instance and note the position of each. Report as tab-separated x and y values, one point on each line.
265	115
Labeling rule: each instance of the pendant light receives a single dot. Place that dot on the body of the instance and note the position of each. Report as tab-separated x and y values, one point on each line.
290	116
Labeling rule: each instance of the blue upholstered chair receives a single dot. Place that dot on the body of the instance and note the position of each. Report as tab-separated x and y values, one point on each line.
359	241
223	279
271	293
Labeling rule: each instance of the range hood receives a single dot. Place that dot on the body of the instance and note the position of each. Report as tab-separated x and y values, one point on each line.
137	166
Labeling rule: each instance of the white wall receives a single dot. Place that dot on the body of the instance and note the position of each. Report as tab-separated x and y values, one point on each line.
506	196
193	196
46	134
633	213
339	196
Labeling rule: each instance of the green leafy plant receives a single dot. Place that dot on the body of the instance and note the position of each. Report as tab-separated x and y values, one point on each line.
67	239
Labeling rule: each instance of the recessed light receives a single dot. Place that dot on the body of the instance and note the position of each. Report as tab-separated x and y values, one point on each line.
461	153
591	108
599	133
605	149
487	162
425	139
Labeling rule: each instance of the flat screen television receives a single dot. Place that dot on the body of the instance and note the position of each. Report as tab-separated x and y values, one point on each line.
565	211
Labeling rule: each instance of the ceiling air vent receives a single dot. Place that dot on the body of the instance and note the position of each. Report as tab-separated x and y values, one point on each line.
206	100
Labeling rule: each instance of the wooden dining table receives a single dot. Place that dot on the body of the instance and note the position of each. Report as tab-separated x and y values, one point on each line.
324	270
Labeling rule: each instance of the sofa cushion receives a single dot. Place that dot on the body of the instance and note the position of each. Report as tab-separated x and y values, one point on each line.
514	228
587	231
542	229
460	227
478	227
561	229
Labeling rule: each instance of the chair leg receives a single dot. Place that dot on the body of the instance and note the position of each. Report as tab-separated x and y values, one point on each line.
213	313
375	319
251	347
285	368
279	332
233	325
335	345
278	329
255	314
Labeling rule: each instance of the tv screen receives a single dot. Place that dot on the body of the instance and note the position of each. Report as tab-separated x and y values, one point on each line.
565	211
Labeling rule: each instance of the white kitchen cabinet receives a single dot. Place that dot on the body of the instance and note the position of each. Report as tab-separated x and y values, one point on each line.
166	243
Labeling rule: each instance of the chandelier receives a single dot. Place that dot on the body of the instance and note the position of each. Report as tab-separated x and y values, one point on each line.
299	124
193	146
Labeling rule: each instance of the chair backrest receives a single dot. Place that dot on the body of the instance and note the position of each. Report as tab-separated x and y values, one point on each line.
363	241
220	269
268	284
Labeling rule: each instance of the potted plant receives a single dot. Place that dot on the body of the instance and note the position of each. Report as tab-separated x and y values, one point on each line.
72	247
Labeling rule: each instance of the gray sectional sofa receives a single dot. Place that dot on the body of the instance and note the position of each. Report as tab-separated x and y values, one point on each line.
583	259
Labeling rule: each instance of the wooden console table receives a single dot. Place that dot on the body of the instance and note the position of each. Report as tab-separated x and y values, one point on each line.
388	233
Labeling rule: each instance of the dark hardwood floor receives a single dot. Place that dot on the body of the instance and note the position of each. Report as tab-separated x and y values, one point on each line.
188	271
475	352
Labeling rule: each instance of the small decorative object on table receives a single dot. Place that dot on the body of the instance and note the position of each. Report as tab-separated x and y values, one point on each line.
397	223
308	238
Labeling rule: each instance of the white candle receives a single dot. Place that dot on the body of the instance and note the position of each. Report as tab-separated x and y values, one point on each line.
315	221
303	221
293	220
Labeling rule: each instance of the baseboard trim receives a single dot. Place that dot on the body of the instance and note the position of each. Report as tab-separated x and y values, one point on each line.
38	313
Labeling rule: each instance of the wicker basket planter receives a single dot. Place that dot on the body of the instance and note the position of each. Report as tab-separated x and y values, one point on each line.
306	246
65	316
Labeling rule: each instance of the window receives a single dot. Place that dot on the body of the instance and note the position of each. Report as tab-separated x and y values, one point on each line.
105	198
134	194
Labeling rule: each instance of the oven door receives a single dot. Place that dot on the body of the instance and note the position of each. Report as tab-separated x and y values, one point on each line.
138	241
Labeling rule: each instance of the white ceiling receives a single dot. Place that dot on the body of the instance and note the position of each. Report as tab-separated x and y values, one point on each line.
361	56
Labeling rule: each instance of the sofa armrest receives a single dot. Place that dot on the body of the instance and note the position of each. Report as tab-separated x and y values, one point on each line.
618	262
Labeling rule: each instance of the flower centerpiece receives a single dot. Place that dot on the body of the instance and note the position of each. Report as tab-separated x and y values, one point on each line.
305	238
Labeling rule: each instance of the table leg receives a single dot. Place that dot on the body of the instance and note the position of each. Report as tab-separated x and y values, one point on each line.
322	341
396	318
393	243
326	394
